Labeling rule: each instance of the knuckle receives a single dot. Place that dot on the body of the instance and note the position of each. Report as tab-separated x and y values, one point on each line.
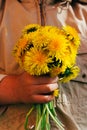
48	87
52	87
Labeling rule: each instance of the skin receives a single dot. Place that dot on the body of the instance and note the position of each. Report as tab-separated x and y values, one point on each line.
25	88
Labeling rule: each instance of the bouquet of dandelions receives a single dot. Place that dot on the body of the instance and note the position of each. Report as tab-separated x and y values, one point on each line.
48	50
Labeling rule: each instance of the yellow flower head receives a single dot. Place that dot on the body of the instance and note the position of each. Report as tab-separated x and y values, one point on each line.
57	46
56	93
73	74
35	62
45	50
30	28
40	40
72	35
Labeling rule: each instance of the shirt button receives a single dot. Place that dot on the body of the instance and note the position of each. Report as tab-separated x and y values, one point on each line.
83	75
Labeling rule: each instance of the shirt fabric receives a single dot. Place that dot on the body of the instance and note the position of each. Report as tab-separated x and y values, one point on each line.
72	102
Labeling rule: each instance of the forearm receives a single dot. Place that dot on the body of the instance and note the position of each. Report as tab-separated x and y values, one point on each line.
8	90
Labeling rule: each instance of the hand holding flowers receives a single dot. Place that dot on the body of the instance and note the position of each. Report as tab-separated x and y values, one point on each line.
48	51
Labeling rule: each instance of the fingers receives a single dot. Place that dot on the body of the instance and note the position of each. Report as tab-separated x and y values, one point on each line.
46	88
39	93
36	80
43	93
37	89
46	80
42	98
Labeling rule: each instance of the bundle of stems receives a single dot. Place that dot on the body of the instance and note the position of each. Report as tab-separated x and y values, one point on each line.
44	113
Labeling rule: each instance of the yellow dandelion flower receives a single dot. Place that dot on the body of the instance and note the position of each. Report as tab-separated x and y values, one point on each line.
23	41
35	62
56	93
74	72
40	40
72	35
51	30
21	46
57	46
30	28
69	59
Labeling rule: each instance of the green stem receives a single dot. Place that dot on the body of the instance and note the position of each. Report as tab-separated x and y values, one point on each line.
27	116
39	122
38	107
57	121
